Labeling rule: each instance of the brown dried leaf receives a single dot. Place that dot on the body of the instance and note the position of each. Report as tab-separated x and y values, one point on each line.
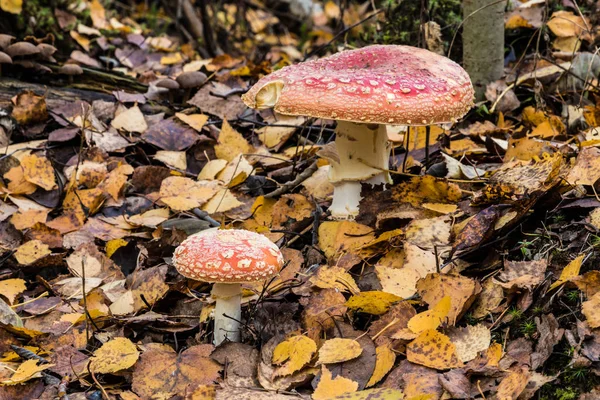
162	373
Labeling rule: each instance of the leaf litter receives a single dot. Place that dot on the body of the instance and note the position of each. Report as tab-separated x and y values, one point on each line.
477	279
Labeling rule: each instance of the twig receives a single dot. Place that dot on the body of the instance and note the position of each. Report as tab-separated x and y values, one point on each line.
307	173
204	216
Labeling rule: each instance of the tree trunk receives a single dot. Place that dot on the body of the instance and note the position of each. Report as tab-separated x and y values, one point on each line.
483	42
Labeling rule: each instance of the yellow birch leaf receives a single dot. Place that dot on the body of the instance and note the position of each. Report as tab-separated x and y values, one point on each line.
171	59
295	352
383	364
31	251
339	350
231	143
196	121
182	194
12	6
17	183
11	288
114	245
372	394
431	319
98	14
374	302
334	278
330	388
115	355
569	272
434	350
83	41
26	371
211	169
338	236
39	171
28	218
222	201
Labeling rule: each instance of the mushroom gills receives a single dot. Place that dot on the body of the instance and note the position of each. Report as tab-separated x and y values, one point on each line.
268	95
363	151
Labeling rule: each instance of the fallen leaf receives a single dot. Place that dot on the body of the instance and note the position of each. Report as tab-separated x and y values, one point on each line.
294	353
26	371
183	194
569	272
163	373
12	6
11	288
434	350
39	171
196	121
513	384
31	251
470	340
462	291
231	143
338	350
334	278
330	387
113	356
431	319
375	303
130	120
385	362
591	310
522	274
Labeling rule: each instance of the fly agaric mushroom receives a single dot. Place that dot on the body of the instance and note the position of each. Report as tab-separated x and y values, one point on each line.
227	258
364	90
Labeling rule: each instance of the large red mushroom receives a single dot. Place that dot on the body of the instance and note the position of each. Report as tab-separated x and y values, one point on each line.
364	90
227	258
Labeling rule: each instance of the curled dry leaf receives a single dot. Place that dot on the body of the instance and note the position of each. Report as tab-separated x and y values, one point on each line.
569	272
522	274
385	362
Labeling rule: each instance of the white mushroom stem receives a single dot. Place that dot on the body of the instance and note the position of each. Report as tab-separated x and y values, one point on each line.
228	311
363	152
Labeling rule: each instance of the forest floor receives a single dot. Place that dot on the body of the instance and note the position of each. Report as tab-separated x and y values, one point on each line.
474	275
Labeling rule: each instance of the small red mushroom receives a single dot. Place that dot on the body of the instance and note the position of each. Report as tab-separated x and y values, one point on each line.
364	90
227	258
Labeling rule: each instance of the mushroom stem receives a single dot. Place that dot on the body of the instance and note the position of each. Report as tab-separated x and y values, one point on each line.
363	153
228	312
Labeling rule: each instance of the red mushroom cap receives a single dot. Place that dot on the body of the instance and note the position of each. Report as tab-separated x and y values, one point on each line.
232	256
376	84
